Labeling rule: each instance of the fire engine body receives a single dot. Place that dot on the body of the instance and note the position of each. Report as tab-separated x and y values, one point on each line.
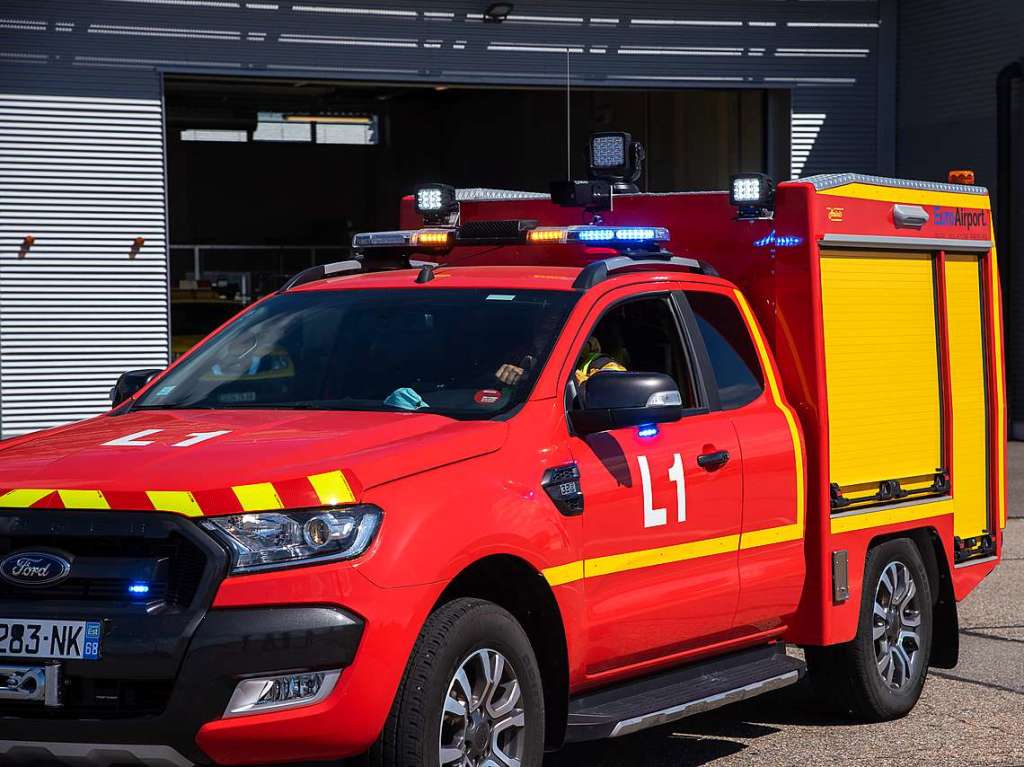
777	263
874	312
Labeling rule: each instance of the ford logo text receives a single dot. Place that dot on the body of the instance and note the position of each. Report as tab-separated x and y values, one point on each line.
34	568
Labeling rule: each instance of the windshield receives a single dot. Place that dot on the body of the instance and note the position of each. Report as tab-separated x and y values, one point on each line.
458	352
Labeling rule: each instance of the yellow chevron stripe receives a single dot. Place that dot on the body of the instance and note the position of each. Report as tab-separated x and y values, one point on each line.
259	497
332	488
179	501
83	499
23	498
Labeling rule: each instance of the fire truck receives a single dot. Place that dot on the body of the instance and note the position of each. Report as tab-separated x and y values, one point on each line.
534	469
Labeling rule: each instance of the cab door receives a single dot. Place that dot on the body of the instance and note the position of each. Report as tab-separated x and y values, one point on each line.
662	505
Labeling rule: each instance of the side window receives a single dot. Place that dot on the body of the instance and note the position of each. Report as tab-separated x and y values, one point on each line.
733	357
640	336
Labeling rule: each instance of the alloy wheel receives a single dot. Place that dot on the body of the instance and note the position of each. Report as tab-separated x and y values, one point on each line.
896	622
483	723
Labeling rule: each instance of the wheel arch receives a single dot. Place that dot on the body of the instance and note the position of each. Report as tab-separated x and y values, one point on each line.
946	631
514	584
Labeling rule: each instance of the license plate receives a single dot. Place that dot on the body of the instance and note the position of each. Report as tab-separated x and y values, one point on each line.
66	640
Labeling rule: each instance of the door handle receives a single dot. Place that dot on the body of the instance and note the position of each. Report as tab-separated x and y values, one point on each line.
713	461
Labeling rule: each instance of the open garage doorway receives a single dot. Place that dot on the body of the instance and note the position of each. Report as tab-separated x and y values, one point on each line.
267	177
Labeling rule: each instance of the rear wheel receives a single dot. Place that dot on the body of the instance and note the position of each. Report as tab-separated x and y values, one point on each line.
471	695
881	673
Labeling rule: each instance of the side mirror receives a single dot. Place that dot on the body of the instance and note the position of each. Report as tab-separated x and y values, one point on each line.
131	382
614	400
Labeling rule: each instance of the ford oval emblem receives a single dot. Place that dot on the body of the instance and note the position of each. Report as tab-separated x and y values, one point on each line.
34	568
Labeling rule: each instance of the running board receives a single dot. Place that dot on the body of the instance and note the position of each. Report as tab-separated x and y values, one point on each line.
655	700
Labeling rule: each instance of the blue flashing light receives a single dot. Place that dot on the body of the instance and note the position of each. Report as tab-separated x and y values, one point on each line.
647	430
595	235
138	588
629	234
635	233
779	240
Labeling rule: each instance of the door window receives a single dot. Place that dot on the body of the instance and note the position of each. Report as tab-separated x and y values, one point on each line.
734	361
641	336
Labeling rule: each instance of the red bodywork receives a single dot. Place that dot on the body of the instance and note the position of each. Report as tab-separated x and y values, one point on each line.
454	493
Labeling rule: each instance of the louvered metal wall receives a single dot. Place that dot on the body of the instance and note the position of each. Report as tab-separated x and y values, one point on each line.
84	177
82	167
950	54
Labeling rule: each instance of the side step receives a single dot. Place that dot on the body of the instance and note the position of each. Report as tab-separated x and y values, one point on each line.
655	700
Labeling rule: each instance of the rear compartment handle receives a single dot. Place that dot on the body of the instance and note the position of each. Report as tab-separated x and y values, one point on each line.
713	461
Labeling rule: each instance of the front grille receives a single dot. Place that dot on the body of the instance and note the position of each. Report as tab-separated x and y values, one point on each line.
181	566
100	699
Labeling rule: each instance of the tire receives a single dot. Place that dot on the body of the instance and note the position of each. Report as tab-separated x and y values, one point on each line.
458	642
879	676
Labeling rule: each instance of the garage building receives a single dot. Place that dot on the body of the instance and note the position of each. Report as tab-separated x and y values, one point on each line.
164	162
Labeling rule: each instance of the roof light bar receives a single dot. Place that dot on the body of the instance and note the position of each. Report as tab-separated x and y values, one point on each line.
404	238
593	235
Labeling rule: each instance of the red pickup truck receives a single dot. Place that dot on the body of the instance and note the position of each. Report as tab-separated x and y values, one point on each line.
527	475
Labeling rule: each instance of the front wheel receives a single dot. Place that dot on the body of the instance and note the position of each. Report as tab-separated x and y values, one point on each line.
471	695
880	674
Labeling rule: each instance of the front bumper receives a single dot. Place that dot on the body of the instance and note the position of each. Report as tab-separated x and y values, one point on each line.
228	645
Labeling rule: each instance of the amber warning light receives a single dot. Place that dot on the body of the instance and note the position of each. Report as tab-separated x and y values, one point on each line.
961	177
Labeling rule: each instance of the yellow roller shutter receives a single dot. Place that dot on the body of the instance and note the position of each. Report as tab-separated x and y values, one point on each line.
970	402
882	369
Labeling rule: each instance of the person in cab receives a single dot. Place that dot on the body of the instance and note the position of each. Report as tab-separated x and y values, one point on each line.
592	360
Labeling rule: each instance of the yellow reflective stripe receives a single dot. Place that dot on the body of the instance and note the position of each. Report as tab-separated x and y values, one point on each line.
846	523
332	488
635	560
557	576
919	196
179	501
23	498
83	499
794	531
259	497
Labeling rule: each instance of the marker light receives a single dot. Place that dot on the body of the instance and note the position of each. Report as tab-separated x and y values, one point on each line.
138	588
647	430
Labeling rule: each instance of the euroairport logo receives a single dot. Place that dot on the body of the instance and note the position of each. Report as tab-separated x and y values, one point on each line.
959	217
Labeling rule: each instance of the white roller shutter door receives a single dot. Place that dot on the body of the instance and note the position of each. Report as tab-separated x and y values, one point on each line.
84	177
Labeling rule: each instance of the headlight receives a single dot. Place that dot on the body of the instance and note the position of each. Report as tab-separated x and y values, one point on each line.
273	539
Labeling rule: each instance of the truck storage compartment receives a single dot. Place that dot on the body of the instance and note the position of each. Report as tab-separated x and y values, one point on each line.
883	376
968	365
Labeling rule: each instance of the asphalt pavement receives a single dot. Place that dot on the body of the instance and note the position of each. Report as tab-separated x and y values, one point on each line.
971	715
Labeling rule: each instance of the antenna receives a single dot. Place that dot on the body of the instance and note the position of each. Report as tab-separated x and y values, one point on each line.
568	119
